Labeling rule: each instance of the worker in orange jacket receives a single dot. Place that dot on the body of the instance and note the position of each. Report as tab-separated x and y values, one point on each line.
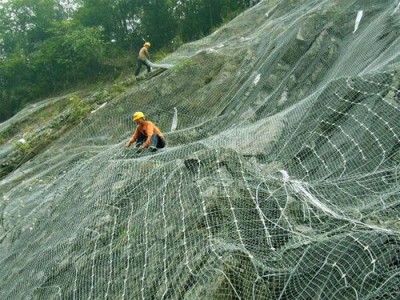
147	134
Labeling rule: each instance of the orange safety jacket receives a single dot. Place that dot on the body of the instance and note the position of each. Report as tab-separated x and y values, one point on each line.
148	129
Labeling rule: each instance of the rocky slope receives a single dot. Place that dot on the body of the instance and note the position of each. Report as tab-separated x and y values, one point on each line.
281	180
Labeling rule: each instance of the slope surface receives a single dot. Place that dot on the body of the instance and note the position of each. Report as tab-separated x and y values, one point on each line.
281	180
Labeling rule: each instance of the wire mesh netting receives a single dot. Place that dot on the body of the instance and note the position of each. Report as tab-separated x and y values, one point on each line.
280	179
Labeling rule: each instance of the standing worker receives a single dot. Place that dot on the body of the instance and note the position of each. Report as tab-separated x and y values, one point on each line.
147	135
143	58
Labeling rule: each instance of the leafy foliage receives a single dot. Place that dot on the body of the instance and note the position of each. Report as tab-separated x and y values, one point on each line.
71	54
45	49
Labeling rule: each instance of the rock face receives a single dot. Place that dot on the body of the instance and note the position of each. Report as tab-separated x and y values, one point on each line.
281	180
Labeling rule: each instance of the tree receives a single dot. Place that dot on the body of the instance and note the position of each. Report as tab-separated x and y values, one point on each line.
25	23
14	80
158	22
197	18
73	53
44	49
117	18
34	65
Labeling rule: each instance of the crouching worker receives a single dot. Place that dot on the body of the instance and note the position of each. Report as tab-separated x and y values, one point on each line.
147	135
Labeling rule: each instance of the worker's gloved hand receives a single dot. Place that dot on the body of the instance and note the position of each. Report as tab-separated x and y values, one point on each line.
128	144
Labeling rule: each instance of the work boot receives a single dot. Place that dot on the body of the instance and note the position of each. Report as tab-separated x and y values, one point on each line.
153	149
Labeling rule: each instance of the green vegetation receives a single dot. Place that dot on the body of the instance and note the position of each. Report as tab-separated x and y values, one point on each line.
186	65
52	119
79	109
46	48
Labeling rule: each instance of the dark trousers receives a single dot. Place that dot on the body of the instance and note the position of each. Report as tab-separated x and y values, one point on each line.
156	141
139	64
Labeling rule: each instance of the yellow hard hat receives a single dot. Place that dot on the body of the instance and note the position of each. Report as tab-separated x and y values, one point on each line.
137	115
147	44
